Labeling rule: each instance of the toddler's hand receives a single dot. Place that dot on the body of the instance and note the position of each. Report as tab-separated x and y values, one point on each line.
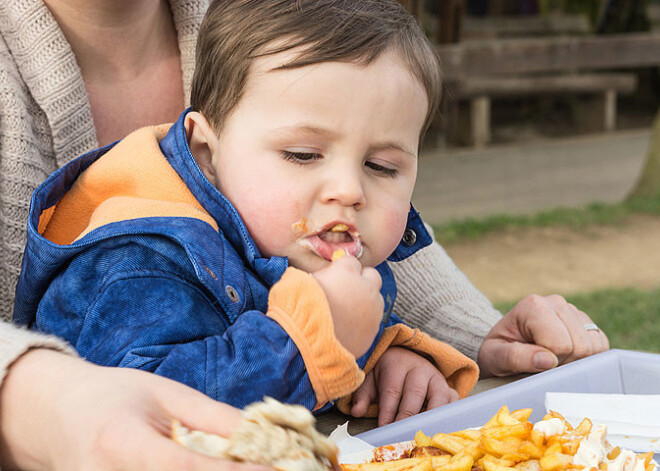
355	302
404	384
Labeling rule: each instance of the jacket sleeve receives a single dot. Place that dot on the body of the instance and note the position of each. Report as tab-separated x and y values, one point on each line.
460	371
170	326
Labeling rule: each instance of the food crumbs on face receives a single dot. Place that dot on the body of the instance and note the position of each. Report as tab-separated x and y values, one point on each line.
301	227
337	254
339	228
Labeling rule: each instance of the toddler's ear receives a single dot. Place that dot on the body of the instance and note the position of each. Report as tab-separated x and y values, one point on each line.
202	142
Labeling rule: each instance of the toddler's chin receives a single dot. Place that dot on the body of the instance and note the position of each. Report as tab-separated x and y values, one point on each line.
310	264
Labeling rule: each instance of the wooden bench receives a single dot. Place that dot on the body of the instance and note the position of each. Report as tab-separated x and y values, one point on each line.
498	27
476	72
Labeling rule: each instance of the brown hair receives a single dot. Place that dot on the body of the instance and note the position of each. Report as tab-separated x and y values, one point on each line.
235	32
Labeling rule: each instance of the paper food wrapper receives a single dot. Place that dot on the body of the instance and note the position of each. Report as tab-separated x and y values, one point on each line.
632	420
352	450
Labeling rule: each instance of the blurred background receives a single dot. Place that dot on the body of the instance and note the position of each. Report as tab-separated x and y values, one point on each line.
541	172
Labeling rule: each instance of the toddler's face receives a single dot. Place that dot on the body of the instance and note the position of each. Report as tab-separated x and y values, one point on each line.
323	157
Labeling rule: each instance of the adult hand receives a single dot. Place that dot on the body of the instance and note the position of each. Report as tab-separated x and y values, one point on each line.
404	384
355	301
539	333
61	413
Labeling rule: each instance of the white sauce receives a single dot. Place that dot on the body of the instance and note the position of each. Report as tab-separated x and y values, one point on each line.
550	427
594	448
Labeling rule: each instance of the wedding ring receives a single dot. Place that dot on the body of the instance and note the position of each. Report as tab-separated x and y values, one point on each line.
591	327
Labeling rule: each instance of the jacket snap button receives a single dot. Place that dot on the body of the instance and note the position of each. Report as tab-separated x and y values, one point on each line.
232	293
409	237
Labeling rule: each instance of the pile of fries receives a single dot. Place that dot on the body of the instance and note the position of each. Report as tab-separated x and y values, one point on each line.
507	442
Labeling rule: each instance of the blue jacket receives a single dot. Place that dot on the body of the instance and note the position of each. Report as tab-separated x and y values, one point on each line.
137	260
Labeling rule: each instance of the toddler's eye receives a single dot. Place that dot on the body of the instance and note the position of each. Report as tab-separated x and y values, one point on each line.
388	172
300	157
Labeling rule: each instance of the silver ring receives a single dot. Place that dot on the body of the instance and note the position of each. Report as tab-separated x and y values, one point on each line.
591	327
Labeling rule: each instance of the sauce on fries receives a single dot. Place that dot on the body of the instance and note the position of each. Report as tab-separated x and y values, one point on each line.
509	442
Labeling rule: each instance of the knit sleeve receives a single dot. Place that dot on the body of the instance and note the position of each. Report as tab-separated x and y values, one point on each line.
437	298
16	341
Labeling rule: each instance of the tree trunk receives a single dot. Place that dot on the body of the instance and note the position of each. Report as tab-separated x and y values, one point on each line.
648	184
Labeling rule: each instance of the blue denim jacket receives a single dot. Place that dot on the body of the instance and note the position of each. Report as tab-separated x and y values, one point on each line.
173	295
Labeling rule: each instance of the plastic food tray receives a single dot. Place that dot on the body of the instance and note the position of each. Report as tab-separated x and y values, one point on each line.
614	371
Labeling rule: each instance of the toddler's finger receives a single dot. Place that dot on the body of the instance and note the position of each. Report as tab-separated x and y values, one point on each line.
414	394
440	393
390	390
347	262
372	276
364	396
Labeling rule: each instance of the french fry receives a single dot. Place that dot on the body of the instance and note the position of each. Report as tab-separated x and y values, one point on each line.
646	457
450	443
425	465
405	464
614	453
570	447
440	461
490	464
529	465
501	447
584	428
522	415
531	449
421	439
495	461
537	437
508	441
556	462
470	434
492	422
516	457
459	462
520	430
505	418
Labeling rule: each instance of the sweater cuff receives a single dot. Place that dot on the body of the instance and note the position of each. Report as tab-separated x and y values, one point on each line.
298	304
460	371
16	341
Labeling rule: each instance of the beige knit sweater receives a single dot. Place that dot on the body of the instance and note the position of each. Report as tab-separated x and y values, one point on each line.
45	121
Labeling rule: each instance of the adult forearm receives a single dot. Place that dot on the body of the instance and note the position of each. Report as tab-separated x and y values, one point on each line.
15	374
436	297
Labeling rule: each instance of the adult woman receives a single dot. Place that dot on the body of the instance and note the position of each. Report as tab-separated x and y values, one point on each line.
76	74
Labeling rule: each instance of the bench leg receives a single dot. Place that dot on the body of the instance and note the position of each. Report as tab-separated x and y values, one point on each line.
480	121
610	110
468	123
597	113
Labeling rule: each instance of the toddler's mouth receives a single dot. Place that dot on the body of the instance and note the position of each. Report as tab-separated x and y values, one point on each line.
335	236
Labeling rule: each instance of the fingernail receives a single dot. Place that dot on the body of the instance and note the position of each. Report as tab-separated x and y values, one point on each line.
544	361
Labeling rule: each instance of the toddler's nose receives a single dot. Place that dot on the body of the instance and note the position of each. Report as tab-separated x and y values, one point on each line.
346	189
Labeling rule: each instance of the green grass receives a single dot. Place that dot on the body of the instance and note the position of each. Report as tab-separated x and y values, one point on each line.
578	219
629	316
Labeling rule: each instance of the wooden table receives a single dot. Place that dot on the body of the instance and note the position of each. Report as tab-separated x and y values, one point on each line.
328	422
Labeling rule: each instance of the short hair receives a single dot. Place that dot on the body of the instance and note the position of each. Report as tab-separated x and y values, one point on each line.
236	32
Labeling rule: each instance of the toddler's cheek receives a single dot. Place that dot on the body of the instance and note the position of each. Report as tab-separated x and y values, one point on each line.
391	231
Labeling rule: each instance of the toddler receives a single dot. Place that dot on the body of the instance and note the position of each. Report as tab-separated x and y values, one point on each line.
209	251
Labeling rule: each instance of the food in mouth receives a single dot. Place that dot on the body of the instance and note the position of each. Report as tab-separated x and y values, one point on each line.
339	228
337	254
327	240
